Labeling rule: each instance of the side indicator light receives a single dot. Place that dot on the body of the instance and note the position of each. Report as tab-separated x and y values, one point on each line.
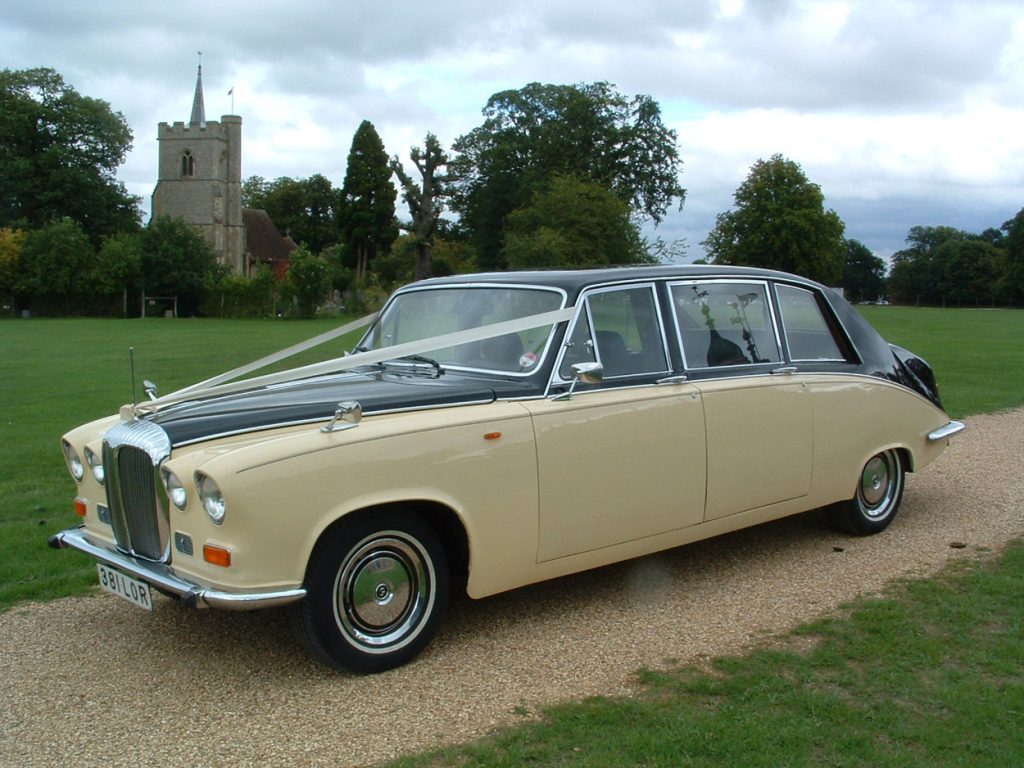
492	435
217	555
81	506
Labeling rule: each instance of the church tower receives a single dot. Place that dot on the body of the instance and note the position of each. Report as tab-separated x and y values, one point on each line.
200	179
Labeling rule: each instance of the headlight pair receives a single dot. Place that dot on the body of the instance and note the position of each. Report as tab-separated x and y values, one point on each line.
77	468
209	494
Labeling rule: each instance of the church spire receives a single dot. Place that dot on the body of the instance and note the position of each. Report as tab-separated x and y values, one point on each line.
198	110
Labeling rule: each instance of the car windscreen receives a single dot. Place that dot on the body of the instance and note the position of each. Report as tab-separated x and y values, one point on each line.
421	314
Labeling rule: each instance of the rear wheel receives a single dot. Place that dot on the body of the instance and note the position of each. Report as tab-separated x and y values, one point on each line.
377	586
879	492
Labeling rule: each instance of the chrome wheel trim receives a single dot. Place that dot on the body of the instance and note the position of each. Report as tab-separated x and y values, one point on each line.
879	487
384	592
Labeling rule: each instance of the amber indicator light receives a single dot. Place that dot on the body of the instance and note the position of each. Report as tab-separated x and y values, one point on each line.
81	505
217	555
492	435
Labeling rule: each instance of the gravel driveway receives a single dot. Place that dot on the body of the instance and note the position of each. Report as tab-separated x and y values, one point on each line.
93	681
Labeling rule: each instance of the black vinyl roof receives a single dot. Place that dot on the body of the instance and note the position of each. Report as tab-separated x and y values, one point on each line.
573	280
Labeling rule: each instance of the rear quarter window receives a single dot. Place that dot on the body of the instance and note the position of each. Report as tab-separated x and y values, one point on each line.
808	333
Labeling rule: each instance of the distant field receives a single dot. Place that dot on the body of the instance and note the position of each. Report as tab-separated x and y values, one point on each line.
57	374
977	354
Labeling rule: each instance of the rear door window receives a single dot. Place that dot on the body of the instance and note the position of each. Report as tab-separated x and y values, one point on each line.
725	323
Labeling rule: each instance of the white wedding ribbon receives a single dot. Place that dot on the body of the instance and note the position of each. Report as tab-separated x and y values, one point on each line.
275	357
219	385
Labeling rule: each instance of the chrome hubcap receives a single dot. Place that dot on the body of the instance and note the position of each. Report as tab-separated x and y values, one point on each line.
878	485
383	591
380	587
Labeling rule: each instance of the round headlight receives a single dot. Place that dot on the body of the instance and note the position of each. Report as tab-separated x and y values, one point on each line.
74	461
212	498
96	465
175	490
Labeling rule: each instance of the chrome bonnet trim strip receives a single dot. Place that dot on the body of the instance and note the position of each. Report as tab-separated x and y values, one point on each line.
325	419
160	576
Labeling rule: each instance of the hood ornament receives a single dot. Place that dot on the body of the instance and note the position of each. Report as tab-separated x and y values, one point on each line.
130	413
348	415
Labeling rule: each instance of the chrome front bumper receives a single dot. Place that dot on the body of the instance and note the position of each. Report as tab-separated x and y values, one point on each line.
160	577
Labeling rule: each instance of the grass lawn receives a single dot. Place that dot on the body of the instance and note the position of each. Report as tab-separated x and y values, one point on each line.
57	374
977	354
930	675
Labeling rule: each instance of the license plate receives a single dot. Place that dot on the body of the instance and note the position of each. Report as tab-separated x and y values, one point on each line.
132	590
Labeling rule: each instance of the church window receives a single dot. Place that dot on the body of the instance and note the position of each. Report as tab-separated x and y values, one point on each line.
188	164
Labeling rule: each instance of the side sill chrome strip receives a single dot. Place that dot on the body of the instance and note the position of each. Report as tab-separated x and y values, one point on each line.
943	433
160	576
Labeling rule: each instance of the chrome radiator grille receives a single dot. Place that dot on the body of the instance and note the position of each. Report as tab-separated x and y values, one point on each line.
132	452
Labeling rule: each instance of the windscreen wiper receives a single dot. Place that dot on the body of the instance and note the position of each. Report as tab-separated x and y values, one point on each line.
438	370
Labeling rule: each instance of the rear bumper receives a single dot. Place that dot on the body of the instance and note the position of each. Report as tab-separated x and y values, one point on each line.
160	577
947	431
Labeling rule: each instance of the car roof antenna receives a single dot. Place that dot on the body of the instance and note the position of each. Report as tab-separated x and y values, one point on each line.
131	360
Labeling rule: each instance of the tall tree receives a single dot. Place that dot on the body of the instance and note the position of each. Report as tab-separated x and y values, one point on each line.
59	152
590	131
254	192
944	265
305	209
11	243
571	224
424	200
916	274
176	261
368	200
118	267
55	263
863	273
309	279
780	222
1011	282
968	270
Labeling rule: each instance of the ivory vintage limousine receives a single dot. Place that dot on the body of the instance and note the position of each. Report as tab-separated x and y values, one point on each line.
494	430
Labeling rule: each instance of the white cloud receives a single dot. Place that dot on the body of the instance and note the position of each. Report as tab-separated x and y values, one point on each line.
897	109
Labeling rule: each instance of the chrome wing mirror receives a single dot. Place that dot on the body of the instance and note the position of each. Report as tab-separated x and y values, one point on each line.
588	373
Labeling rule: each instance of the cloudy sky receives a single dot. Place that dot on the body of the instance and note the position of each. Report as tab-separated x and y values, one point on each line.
905	112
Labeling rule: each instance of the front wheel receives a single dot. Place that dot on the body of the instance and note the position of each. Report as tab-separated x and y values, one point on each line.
377	586
878	496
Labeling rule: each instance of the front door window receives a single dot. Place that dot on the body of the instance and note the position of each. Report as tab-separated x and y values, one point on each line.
618	328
